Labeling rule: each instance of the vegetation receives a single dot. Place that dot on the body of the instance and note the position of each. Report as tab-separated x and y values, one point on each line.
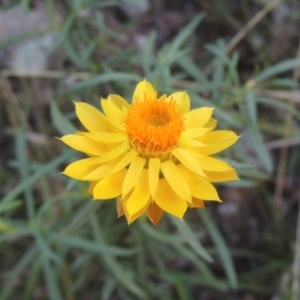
58	244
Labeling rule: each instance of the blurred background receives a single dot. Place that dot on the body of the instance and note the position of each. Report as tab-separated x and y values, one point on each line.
241	57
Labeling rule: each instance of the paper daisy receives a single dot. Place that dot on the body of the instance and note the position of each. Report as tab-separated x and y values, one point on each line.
154	155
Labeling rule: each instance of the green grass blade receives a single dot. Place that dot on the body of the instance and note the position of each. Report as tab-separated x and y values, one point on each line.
280	105
219	53
190	68
90	246
260	148
184	34
23	168
4	207
251	107
74	55
221	247
51	280
25	260
116	268
190	238
64	33
103	78
32	278
61	123
147	58
25	6
33	178
281	67
180	286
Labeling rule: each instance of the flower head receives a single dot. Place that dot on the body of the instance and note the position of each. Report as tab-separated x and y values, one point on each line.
154	155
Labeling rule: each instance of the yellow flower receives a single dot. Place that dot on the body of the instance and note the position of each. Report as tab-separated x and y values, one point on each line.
154	155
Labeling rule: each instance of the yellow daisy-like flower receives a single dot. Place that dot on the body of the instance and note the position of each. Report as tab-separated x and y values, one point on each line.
154	155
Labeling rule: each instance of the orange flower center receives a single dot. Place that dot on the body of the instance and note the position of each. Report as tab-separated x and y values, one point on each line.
154	126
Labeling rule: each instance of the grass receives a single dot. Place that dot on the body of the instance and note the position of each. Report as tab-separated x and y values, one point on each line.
57	244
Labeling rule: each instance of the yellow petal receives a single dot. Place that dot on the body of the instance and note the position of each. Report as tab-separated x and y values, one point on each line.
125	161
132	218
115	153
195	132
154	213
84	144
138	214
175	180
123	200
212	149
217	137
198	203
120	210
106	137
104	170
114	115
184	140
153	175
91	118
199	186
188	160
91	188
133	174
221	176
212	164
209	163
140	197
110	187
118	101
79	169
144	90
198	117
212	123
217	141
168	200
182	100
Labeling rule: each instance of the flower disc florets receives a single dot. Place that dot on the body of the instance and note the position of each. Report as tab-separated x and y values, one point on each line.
154	126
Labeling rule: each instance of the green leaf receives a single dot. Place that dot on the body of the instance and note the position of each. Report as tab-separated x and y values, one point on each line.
25	6
51	280
90	246
23	262
281	105
19	188
260	148
199	280
4	207
277	69
190	238
116	268
183	291
103	78
108	288
192	69
219	53
64	32
60	122
32	278
171	52
23	168
73	54
251	107
221	247
81	217
184	34
147	57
